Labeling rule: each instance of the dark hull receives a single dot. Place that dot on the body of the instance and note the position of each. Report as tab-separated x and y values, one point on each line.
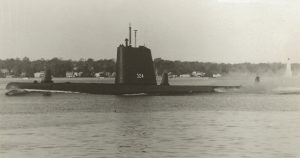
115	89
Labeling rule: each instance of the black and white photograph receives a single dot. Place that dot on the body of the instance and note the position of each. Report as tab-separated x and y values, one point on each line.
149	78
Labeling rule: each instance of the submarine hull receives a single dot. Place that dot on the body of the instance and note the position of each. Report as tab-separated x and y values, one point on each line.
116	89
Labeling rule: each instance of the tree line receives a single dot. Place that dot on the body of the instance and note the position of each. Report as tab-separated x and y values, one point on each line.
26	67
186	67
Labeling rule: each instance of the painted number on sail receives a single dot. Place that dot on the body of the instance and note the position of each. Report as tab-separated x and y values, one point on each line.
139	75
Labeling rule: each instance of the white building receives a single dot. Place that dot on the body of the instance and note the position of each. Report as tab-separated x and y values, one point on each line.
78	74
185	75
198	74
113	74
216	75
172	76
70	74
5	72
39	74
98	74
103	74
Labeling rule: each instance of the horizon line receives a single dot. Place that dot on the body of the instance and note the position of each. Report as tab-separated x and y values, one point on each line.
61	58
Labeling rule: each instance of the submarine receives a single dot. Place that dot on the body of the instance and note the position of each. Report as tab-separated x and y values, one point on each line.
135	74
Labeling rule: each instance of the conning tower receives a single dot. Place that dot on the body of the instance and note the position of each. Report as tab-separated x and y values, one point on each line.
134	65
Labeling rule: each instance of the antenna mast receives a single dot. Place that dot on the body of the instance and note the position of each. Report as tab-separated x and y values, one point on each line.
135	37
129	34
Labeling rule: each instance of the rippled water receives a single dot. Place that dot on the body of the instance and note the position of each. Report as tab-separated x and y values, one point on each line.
259	120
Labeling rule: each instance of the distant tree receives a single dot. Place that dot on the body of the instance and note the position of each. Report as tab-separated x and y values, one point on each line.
88	67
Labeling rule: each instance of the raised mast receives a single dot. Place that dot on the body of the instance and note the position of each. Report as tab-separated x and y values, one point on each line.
129	34
135	37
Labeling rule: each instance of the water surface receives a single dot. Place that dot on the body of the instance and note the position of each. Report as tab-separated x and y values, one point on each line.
255	121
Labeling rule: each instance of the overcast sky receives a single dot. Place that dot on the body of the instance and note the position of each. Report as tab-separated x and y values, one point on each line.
228	31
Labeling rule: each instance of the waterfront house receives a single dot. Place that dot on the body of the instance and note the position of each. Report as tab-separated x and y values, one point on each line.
4	72
198	74
70	74
216	75
40	74
185	75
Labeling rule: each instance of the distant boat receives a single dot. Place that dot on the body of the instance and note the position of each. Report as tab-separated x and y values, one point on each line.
287	90
257	79
288	72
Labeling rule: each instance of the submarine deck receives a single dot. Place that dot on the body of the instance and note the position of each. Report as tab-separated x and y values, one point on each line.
116	89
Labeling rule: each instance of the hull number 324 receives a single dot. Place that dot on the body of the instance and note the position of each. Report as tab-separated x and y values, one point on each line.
139	75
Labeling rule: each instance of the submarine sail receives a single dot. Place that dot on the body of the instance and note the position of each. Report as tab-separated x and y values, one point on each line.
134	65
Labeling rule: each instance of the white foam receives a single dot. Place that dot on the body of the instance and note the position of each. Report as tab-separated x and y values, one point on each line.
52	91
135	94
287	90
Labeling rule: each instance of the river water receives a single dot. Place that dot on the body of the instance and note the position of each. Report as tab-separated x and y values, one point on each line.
259	120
